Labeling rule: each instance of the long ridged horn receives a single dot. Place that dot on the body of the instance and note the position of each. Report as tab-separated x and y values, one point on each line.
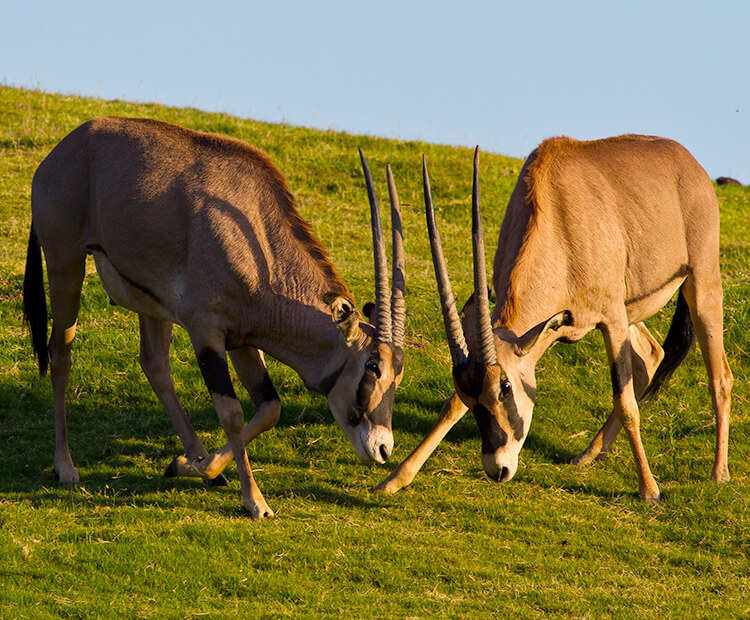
453	330
398	303
486	354
383	331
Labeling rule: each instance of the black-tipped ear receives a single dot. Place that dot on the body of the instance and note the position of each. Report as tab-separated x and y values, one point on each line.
346	318
468	306
368	310
565	319
468	319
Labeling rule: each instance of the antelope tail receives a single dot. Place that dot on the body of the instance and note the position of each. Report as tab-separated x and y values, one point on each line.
35	301
676	346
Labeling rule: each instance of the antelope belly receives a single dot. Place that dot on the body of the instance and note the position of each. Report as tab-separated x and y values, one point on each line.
125	290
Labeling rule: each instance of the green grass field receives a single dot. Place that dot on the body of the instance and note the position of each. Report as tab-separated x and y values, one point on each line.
556	541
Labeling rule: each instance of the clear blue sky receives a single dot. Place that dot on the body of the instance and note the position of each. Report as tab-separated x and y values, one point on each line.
503	75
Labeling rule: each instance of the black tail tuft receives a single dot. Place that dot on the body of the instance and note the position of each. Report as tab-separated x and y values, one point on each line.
676	346
35	301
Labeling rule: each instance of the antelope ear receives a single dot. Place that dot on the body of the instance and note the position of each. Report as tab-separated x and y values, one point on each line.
468	320
526	342
368	310
346	318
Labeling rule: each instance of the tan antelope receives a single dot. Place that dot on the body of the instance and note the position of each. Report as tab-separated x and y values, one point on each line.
202	230
597	235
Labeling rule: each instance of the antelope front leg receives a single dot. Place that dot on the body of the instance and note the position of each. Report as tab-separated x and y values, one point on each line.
626	405
211	466
646	355
154	359
453	410
251	369
213	365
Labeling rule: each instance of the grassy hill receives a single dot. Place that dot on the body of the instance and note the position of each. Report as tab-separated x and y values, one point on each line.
557	540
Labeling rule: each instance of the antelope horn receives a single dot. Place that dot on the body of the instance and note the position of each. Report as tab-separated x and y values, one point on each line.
485	342
398	304
453	330
382	301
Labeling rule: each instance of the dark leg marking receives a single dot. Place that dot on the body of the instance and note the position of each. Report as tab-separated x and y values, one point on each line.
614	370
215	373
616	385
266	390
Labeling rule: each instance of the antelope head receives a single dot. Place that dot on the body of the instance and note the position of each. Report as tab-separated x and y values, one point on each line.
362	398
494	377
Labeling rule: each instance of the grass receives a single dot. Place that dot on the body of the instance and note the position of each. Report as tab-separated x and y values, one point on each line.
556	541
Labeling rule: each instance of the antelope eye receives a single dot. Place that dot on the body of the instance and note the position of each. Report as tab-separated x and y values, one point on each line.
505	388
373	368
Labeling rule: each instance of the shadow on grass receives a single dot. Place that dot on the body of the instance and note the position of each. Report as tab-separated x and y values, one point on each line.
109	444
105	490
113	442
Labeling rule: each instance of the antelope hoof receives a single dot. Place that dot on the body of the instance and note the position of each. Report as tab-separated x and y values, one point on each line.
720	476
587	457
67	475
219	481
182	466
171	471
388	486
584	458
652	499
258	511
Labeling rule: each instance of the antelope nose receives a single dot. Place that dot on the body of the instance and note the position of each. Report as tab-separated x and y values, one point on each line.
501	474
376	444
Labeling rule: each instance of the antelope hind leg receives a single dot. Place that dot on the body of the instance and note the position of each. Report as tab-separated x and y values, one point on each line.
646	354
453	410
704	298
65	282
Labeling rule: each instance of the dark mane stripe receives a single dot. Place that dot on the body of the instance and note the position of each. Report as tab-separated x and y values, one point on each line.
303	233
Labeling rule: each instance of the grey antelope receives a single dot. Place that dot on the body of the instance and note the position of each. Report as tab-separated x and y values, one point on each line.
598	235
202	230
